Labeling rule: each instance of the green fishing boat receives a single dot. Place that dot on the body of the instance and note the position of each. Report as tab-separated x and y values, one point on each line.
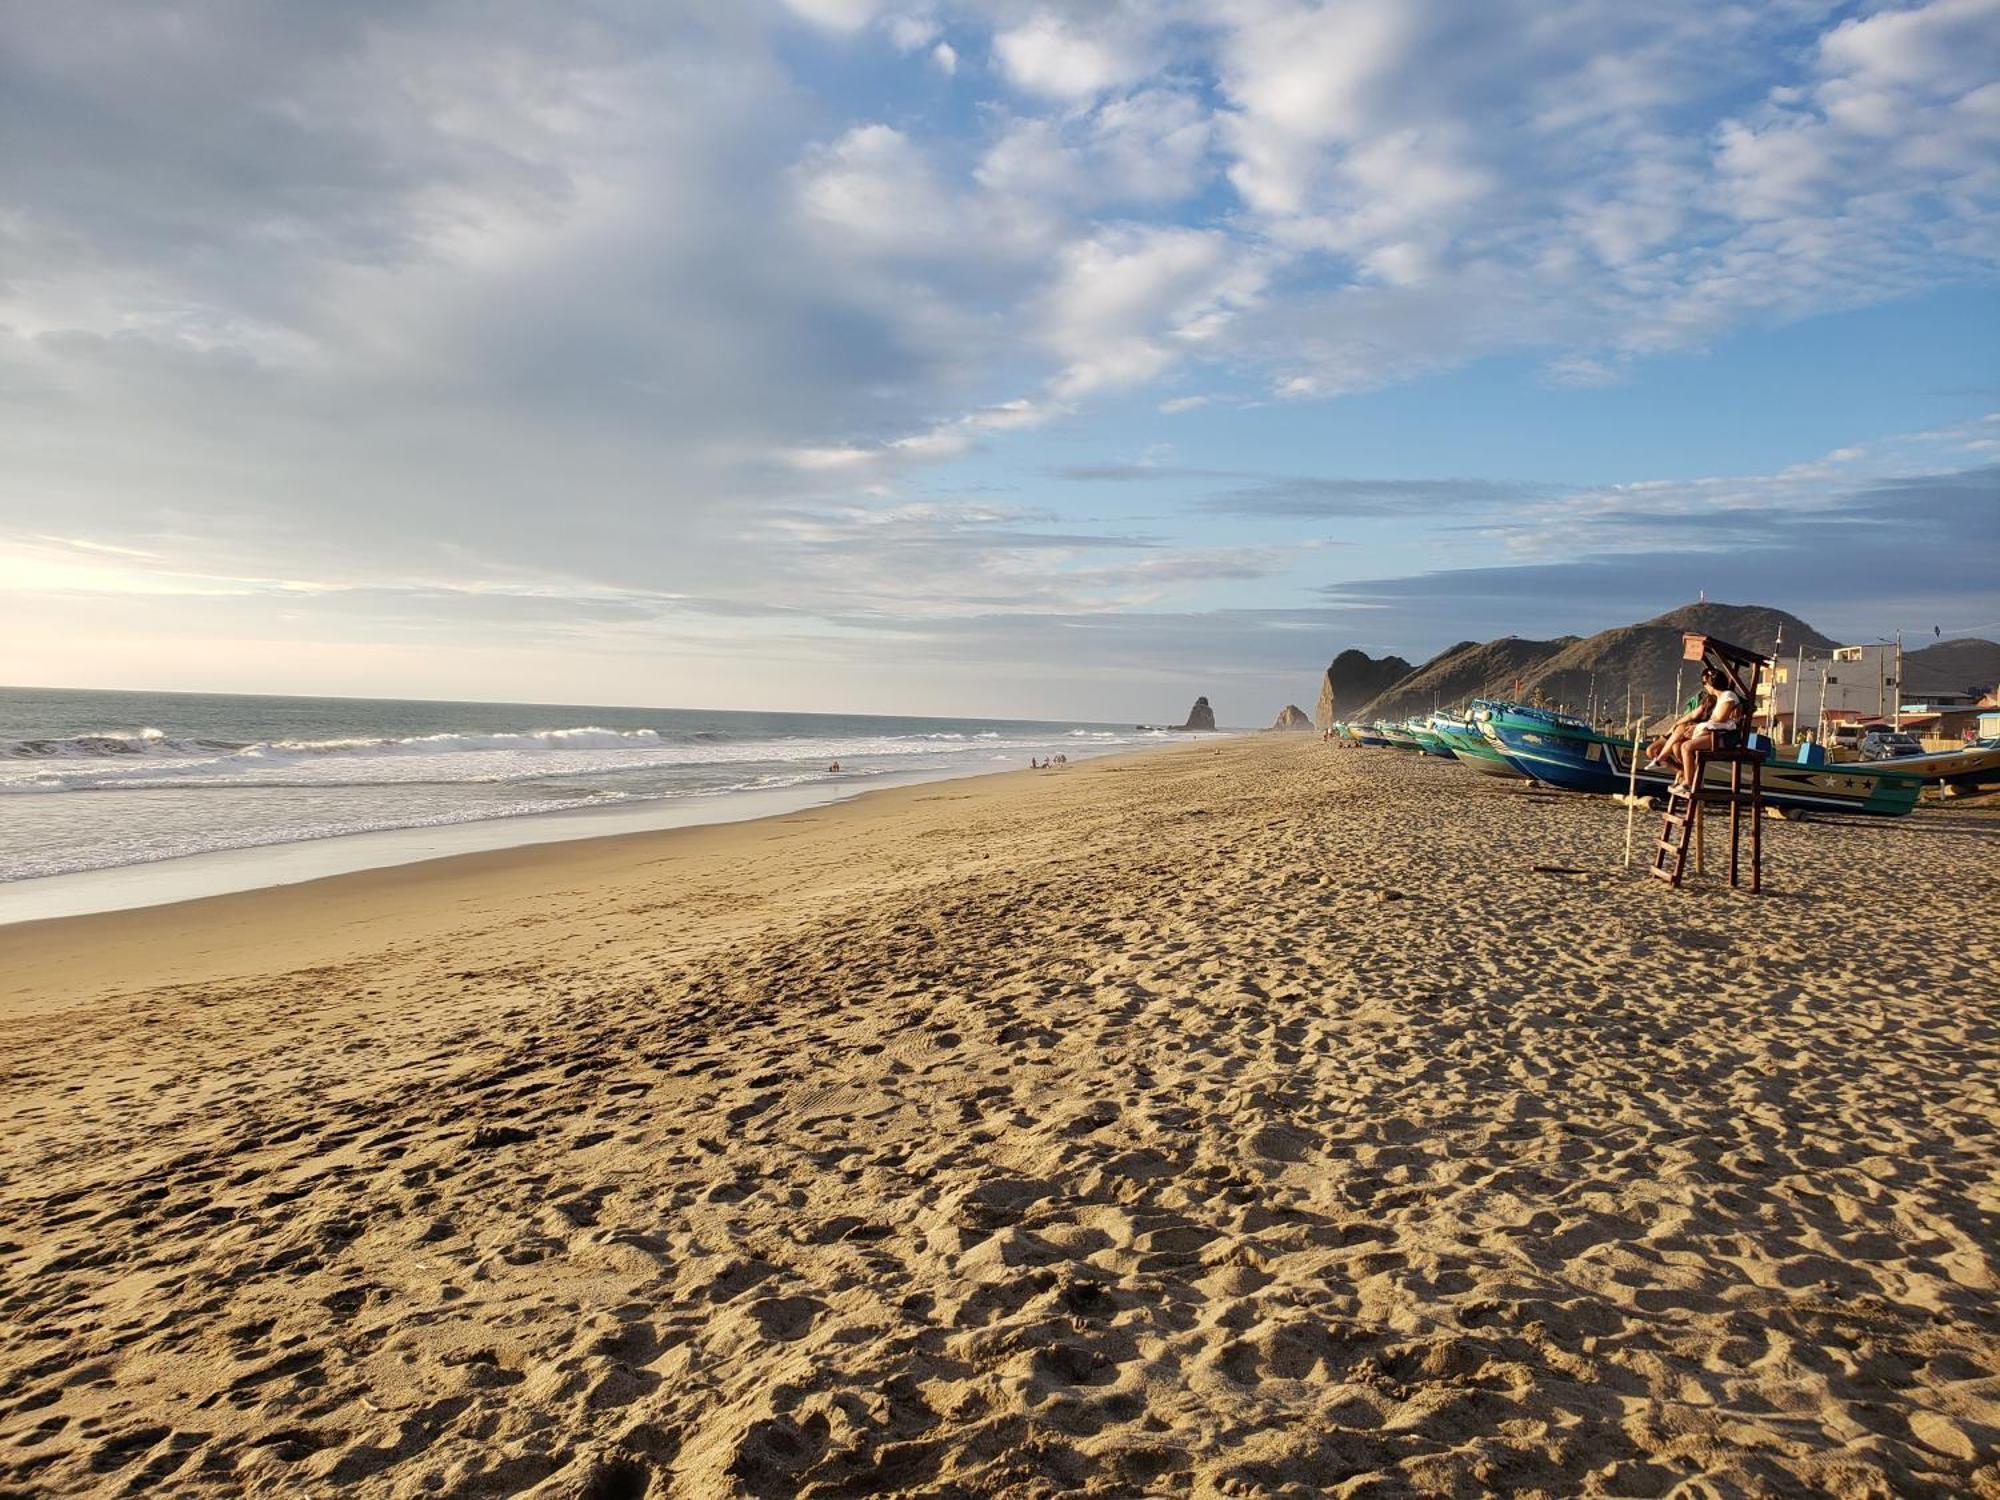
1428	740
1470	748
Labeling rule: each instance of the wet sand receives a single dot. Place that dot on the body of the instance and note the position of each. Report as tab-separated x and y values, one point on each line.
1247	1119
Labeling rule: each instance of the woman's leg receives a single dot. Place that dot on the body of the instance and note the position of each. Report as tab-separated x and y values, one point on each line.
1695	744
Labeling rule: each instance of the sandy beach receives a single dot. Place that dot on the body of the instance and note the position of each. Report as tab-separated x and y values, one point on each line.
1247	1119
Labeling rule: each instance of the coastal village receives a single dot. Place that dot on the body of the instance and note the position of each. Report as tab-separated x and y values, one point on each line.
1817	701
1943	693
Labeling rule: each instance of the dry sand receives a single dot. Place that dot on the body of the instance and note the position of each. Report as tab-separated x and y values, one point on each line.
1248	1120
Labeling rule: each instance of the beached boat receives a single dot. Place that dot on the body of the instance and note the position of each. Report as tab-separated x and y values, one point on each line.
1566	751
1963	770
1396	737
1428	740
1471	749
1366	734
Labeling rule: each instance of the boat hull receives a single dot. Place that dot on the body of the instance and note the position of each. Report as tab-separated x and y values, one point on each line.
1429	741
1470	747
1570	754
1974	766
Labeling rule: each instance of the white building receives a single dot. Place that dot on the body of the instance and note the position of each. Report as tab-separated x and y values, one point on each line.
1859	682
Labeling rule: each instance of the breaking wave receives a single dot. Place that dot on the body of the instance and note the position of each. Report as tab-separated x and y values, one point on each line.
154	742
147	759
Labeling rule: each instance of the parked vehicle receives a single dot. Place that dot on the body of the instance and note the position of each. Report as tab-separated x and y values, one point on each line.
1888	744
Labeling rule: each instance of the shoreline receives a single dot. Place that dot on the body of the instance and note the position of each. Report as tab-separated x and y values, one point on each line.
322	916
193	877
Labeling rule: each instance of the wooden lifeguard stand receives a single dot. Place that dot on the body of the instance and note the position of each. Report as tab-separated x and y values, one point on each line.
1682	821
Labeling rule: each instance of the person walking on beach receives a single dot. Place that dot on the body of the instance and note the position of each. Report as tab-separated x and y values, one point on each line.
1719	731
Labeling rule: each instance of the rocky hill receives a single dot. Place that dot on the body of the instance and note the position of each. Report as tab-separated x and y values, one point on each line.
1354	678
1644	659
1471	669
1201	716
1970	665
1293	717
1647	657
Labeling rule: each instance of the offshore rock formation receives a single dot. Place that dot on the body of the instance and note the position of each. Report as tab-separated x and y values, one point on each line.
1293	717
1353	679
1201	716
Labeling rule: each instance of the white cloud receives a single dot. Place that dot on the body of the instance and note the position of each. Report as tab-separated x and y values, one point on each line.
1146	148
875	187
1948	45
1128	300
1303	78
1150	146
912	33
1070	58
837	15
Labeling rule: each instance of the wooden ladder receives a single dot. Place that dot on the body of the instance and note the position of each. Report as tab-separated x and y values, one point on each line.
1682	821
1676	828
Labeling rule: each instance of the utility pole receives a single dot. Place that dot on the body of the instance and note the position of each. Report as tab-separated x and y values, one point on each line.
1798	696
1771	716
1897	723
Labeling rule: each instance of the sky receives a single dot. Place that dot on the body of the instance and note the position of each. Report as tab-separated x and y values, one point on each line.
979	357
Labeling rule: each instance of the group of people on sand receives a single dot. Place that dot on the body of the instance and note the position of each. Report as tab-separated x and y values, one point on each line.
1046	765
1714	723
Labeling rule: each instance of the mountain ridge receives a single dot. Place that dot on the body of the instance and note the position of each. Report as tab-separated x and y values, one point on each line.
1644	660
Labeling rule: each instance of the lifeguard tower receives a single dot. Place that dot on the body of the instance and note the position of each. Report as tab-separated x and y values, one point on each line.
1742	669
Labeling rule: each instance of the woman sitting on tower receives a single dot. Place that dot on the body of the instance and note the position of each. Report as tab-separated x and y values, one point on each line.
1666	751
1721	730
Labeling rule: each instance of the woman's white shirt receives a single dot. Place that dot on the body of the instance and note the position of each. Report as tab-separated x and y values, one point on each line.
1723	715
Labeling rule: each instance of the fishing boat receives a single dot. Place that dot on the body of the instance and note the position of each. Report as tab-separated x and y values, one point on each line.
1396	737
1366	734
1957	771
1428	740
1566	751
1470	748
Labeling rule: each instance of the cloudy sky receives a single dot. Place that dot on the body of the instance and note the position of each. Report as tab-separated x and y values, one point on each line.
973	356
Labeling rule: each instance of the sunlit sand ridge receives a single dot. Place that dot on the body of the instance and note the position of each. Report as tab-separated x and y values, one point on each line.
1243	1120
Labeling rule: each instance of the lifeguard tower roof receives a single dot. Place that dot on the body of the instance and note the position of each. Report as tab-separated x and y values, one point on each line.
1739	664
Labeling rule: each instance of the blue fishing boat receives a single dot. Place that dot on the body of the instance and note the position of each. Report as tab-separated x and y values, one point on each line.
1550	746
1566	751
1428	740
1471	749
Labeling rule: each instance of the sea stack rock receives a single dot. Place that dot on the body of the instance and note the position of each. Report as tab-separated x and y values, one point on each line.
1353	679
1293	717
1201	716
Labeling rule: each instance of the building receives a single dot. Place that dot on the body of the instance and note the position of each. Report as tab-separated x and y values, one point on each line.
1944	721
1988	723
1859	682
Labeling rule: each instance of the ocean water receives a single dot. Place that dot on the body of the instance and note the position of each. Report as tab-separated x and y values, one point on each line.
98	780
